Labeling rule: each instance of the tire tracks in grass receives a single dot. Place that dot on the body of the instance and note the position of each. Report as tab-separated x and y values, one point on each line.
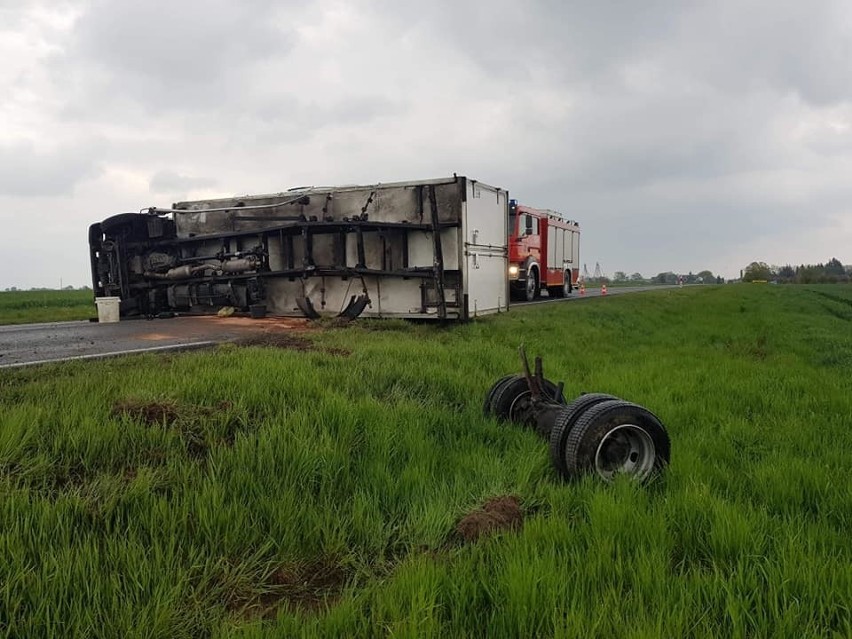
840	314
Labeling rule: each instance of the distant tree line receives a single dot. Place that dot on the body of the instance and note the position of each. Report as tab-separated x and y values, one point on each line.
669	277
621	276
830	272
702	277
15	289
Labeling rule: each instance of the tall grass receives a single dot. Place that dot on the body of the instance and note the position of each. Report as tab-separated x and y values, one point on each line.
23	307
360	466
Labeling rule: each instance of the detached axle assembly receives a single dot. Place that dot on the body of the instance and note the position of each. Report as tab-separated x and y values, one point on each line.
595	433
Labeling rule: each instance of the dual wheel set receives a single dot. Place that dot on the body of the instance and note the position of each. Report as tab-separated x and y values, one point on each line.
594	434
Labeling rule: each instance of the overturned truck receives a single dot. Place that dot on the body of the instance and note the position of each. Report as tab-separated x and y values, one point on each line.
421	249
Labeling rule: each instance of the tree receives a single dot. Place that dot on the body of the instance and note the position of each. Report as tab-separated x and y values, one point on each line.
809	274
834	267
637	277
757	271
706	277
786	272
665	278
619	276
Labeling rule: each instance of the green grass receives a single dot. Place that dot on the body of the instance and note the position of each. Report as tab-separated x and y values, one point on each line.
23	307
627	284
278	462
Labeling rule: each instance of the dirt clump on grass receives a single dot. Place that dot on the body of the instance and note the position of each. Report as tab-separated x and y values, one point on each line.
496	515
149	412
199	427
277	340
288	341
166	411
308	587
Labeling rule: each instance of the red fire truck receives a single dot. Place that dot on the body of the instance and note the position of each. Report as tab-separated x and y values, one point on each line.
544	252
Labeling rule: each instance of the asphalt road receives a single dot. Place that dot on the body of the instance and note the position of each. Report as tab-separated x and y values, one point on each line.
29	344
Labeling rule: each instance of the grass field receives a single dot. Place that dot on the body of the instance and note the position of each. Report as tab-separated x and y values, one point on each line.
24	307
316	490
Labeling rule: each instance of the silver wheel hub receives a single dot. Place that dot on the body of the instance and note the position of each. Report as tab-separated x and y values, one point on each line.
627	449
517	403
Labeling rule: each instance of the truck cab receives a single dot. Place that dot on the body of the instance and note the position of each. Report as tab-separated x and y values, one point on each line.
544	252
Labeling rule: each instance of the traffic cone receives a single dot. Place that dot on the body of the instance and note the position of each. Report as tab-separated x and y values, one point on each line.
603	289
582	289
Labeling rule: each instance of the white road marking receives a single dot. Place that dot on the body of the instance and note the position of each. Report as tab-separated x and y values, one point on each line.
132	351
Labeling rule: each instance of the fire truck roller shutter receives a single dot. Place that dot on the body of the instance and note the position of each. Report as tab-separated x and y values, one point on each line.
556	261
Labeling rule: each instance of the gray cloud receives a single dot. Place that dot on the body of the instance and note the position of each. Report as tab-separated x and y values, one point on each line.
26	171
191	55
787	46
167	181
734	46
681	135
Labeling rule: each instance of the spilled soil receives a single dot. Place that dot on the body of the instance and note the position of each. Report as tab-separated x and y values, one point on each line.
148	412
199	427
275	323
308	587
277	340
164	412
288	341
313	587
496	515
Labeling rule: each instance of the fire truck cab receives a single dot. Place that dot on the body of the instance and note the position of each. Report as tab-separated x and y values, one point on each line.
544	252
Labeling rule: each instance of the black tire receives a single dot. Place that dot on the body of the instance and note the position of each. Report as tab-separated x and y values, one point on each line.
507	396
487	406
566	421
637	441
531	290
561	291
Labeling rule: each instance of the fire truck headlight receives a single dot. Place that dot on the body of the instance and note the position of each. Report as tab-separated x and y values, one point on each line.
513	270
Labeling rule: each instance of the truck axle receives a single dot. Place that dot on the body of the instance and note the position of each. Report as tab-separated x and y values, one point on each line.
595	434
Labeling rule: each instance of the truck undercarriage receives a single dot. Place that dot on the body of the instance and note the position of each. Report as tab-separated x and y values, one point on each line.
406	249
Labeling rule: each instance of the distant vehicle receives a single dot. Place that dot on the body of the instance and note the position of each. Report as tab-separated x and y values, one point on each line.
544	252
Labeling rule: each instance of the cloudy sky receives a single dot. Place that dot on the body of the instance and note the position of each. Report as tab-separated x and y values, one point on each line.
682	135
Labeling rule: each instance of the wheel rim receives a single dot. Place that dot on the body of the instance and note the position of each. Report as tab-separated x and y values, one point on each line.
516	403
530	285
627	449
566	287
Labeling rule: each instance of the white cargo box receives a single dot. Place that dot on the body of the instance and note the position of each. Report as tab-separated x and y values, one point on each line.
429	249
